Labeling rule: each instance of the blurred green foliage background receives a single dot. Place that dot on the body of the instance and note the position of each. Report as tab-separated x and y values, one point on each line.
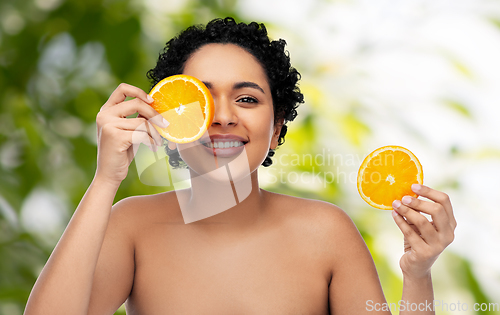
61	59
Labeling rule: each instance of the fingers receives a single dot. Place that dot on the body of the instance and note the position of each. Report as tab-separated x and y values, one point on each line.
137	106
440	232
112	118
134	139
140	125
123	90
407	245
440	210
413	238
119	112
438	197
427	231
126	132
436	210
424	240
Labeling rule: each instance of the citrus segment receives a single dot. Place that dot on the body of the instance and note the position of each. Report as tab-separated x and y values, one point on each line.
186	103
387	174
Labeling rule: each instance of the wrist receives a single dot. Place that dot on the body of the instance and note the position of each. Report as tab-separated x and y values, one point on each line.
104	183
417	279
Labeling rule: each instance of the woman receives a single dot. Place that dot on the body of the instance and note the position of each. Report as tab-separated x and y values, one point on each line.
268	254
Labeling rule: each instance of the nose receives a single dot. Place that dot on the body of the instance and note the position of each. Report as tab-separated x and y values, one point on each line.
224	115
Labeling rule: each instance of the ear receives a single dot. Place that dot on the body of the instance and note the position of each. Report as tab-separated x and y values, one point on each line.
276	133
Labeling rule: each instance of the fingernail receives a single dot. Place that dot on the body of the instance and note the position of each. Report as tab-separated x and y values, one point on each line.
394	213
150	98
396	204
406	200
416	187
165	123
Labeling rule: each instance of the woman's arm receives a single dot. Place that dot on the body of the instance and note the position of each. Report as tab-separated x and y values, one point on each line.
424	242
65	283
354	286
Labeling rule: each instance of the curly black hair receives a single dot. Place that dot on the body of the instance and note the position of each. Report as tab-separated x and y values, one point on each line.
275	60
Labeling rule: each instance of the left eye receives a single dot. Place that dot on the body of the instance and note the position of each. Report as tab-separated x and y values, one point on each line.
247	99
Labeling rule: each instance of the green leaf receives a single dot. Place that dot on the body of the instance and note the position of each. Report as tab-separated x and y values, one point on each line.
458	107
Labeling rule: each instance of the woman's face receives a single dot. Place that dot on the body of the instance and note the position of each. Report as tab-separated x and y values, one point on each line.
244	117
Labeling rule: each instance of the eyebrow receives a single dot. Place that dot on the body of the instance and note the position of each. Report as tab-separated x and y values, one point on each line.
247	84
240	85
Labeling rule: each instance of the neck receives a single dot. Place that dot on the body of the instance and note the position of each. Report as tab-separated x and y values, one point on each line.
219	201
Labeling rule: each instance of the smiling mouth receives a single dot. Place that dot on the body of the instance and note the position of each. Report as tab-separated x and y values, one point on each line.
224	144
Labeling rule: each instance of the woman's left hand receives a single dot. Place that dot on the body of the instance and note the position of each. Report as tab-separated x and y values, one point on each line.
423	240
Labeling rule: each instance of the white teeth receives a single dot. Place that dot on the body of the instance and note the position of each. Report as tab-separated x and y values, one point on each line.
223	144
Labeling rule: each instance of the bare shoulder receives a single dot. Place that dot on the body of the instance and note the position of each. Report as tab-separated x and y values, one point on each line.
137	211
315	213
323	223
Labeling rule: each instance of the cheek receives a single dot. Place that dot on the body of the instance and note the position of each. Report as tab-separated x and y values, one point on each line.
261	125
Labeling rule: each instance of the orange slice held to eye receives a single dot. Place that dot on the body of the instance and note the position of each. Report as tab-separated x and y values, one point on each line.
387	174
186	103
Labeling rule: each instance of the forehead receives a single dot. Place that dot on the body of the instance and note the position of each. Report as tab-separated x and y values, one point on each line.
225	62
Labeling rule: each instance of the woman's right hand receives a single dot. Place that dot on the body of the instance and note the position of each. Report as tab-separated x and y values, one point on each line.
116	134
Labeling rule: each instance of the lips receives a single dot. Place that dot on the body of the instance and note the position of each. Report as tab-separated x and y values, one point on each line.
224	145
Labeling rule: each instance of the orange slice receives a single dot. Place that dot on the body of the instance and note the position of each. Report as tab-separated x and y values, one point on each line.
387	174
186	103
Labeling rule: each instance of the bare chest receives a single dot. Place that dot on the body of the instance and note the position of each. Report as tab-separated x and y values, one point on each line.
181	271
